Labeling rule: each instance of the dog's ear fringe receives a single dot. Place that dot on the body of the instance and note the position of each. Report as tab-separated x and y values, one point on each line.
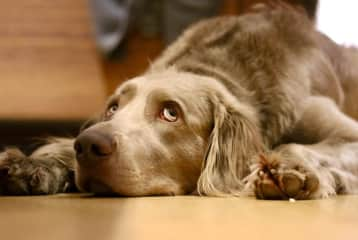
234	140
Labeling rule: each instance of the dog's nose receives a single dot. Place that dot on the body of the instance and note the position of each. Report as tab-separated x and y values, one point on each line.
92	146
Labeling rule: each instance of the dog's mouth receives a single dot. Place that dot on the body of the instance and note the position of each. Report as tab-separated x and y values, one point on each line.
106	181
98	188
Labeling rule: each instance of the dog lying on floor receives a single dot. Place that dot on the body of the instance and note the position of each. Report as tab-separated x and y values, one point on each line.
261	103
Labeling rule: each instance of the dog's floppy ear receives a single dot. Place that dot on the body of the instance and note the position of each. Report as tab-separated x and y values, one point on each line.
234	140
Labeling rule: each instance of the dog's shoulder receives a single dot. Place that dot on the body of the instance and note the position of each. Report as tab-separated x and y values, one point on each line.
222	36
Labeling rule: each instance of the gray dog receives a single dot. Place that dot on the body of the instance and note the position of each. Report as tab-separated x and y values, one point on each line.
257	104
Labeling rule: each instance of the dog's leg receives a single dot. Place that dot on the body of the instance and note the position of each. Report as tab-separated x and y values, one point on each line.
49	170
326	165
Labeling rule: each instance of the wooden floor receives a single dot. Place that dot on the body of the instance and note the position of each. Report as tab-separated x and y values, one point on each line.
79	217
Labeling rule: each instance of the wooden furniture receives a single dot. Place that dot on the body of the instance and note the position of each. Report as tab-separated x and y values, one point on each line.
49	70
140	51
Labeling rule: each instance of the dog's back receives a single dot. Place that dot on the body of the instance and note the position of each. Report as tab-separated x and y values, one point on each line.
269	41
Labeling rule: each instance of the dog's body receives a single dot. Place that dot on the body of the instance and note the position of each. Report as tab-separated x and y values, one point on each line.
258	103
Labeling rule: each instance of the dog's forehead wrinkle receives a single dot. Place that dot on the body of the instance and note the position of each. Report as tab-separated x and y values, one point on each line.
113	98
131	84
173	77
172	81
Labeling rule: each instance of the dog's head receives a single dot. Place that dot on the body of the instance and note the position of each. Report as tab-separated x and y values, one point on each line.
168	133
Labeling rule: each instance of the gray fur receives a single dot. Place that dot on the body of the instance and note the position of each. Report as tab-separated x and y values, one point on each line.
268	107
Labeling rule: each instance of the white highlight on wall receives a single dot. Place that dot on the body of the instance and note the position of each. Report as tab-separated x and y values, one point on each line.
339	20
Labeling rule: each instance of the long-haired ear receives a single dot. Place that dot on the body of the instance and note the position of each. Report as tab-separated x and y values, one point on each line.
234	140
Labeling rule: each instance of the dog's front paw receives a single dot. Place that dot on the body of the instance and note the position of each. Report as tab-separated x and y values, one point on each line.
279	179
21	175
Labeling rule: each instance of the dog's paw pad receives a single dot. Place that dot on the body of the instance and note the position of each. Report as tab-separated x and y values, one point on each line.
265	187
291	184
277	181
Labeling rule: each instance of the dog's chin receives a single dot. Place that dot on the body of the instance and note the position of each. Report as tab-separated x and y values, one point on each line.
103	186
127	186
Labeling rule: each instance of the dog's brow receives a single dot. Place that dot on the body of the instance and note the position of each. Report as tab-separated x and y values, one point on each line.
163	96
112	99
127	88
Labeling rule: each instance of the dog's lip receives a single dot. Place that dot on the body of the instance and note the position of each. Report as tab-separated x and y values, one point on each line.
98	188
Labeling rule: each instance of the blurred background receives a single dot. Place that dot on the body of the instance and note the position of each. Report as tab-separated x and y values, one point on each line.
60	59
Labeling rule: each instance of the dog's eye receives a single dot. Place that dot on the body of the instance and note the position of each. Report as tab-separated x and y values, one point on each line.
169	114
111	110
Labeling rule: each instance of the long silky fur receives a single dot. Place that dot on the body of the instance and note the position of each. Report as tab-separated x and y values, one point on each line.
234	140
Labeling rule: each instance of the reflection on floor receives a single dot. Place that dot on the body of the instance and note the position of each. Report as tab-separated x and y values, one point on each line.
82	217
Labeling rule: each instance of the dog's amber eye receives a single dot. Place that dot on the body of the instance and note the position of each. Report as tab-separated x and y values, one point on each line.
169	114
111	110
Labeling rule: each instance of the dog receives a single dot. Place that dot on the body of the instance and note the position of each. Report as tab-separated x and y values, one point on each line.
259	104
